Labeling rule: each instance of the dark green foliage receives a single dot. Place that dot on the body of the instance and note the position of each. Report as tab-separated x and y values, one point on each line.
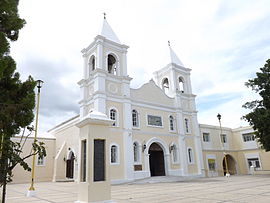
259	117
10	22
17	99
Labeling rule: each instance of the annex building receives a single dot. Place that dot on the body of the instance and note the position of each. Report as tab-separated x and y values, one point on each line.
154	129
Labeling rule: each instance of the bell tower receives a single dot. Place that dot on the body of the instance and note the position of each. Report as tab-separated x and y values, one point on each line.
175	77
105	71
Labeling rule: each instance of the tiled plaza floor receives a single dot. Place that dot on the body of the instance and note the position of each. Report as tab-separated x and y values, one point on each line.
238	189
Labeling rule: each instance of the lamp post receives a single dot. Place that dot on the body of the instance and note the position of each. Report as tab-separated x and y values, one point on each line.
225	157
31	190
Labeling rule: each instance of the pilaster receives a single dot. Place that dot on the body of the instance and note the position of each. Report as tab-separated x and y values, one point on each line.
183	155
100	57
124	63
128	142
182	144
198	144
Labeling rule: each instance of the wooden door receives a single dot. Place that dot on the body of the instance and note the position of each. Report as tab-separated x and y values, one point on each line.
70	166
156	160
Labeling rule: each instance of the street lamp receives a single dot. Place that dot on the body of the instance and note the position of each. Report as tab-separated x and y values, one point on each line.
31	190
225	157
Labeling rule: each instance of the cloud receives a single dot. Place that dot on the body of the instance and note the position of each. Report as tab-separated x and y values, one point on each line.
59	93
230	109
224	43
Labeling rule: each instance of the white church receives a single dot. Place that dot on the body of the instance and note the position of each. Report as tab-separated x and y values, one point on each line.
154	129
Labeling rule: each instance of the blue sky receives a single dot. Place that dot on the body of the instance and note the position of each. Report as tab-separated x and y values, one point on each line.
224	42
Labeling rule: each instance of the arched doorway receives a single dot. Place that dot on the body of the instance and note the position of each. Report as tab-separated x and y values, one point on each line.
231	165
156	160
70	165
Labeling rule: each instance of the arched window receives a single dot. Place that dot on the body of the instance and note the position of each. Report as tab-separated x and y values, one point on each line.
173	150
165	85
92	63
136	152
114	154
135	118
181	85
186	125
171	121
190	156
175	157
111	64
113	116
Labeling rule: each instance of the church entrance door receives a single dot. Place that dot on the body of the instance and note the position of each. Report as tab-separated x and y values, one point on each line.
156	160
70	165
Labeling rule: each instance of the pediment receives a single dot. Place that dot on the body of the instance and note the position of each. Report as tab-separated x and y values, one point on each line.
151	93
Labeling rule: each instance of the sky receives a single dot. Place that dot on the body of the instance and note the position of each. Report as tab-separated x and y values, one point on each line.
224	42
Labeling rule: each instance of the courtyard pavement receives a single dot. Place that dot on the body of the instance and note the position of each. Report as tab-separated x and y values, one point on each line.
238	189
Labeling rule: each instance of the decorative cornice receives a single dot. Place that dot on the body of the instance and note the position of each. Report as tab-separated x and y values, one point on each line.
94	117
229	150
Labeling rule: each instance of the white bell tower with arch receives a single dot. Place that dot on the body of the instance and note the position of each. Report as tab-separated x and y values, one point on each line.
175	77
105	70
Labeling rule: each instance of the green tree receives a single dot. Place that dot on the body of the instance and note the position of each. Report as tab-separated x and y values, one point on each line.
259	117
17	99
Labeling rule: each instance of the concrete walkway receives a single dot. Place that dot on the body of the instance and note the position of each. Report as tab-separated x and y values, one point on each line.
157	190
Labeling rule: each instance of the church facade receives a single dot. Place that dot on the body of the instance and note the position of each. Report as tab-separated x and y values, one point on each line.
154	130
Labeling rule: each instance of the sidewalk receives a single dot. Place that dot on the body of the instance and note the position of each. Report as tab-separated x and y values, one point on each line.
238	189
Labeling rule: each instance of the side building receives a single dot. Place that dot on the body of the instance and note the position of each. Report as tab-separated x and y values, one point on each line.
44	168
238	147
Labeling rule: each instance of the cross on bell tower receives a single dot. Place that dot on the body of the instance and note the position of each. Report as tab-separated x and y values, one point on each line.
104	59
175	77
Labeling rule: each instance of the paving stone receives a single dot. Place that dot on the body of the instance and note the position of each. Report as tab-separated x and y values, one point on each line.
238	189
